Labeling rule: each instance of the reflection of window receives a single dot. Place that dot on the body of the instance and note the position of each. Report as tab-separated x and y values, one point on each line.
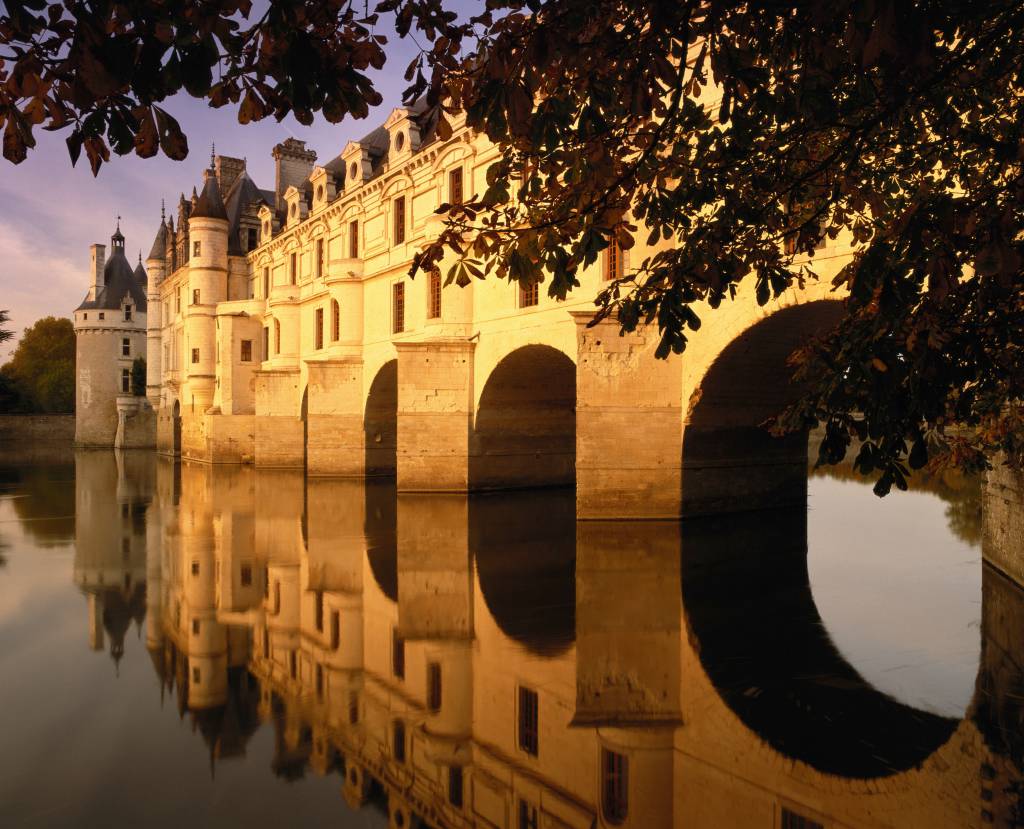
319	680
398	307
455	786
398	744
792	820
246	575
528	720
614	786
195	627
529	295
434	299
335	630
293	664
195	568
433	686
397	655
266	643
353	707
318	605
195	676
527	815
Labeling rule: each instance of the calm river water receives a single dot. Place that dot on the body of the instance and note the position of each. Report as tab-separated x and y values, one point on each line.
184	645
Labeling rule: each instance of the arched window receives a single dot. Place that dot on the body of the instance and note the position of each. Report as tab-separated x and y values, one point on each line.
335	321
614	786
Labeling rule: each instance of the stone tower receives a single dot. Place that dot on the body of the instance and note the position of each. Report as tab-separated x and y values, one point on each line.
110	332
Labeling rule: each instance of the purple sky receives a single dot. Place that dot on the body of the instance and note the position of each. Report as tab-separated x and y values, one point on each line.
53	212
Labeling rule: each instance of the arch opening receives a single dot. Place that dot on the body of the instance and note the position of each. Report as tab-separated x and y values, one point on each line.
730	462
380	423
525	428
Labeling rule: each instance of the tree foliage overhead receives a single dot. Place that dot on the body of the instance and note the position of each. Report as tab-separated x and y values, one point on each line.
40	376
729	137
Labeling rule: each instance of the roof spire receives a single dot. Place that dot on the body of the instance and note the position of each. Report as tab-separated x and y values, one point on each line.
163	215
213	154
140	256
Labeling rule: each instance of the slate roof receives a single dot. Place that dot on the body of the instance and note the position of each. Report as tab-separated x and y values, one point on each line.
210	204
119	282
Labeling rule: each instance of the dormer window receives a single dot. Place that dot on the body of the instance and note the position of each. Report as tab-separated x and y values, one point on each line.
127	313
399	142
353	171
251	240
320	193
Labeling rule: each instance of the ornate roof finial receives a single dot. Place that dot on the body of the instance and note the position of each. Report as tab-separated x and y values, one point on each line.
140	256
162	213
213	154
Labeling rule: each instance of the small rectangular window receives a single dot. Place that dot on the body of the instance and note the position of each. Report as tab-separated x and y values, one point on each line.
102	315
613	262
398	745
196	248
246	351
85	316
397	655
266	283
318	329
793	820
455	786
528	817
320	257
127	313
353	239
195	355
335	321
293	267
126	347
614	786
529	295
434	299
246	575
455	186
433	686
195	296
398	308
528	720
126	381
399	213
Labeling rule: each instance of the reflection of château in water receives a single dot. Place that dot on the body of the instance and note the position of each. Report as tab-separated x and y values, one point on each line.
468	667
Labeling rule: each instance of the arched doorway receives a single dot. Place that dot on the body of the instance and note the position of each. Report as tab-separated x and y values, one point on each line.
176	429
525	427
731	462
380	423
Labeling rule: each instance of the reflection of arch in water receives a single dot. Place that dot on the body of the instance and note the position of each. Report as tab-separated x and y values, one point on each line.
381	536
380	423
762	643
525	426
524	546
730	461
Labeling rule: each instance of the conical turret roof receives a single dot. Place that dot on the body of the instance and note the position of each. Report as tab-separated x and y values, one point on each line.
210	204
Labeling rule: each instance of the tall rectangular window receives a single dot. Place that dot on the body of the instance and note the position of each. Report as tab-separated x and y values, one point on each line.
266	283
528	817
195	355
335	630
434	298
433	686
335	321
614	786
266	342
529	295
353	708
196	248
397	655
613	262
126	380
318	606
246	575
293	665
455	186
455	786
177	301
251	239
126	347
293	267
528	721
246	351
319	680
398	744
353	239
398	308
318	328
195	296
399	213
320	257
127	313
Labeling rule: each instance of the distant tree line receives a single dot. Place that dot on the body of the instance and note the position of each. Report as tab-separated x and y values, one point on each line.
40	376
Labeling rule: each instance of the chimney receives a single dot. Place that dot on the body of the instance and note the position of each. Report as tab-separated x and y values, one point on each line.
98	256
228	170
292	165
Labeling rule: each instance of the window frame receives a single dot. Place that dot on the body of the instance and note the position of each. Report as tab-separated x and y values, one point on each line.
197	247
335	321
293	267
398	307
398	220
353	239
434	285
456	175
434	687
246	345
529	295
397	655
527	720
614	786
126	347
320	257
195	356
318	328
126	381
